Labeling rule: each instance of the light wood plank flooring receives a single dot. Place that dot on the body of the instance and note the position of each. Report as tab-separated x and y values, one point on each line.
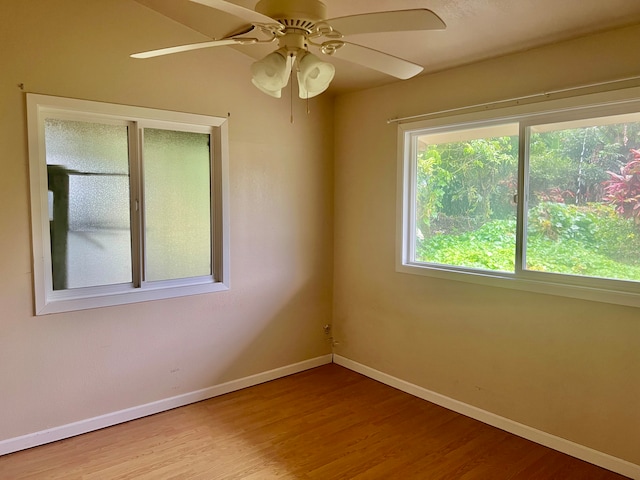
326	423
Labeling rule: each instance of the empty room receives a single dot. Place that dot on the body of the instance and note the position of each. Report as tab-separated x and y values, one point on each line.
320	240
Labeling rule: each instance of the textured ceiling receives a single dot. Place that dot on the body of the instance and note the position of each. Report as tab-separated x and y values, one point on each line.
476	29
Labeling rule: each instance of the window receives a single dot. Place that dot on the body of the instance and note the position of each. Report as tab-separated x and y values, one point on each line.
545	200
128	203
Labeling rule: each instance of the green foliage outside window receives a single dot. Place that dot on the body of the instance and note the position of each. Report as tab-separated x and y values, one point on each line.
582	219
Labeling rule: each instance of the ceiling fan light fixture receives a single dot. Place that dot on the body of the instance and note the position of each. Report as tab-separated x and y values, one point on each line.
271	74
314	75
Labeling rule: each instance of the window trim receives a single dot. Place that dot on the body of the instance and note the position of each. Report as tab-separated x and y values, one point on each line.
602	290
46	300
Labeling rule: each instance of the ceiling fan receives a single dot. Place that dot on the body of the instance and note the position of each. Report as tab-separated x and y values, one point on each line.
298	25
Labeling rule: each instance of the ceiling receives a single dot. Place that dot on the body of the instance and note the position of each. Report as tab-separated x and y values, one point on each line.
476	30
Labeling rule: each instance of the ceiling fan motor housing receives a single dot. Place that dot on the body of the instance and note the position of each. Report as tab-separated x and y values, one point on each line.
298	14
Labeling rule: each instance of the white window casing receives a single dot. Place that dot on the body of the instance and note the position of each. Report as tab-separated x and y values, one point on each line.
136	120
538	116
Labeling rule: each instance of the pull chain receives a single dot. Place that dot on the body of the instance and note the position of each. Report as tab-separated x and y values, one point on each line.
291	90
291	102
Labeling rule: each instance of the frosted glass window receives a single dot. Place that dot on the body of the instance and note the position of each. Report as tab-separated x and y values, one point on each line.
128	204
177	191
88	179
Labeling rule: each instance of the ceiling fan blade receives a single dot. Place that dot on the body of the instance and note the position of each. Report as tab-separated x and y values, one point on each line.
393	21
376	60
246	14
192	46
198	18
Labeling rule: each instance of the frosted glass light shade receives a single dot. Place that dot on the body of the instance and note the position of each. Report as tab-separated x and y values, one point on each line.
271	74
314	75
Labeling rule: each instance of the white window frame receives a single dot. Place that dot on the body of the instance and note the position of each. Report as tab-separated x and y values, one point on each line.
47	300
597	104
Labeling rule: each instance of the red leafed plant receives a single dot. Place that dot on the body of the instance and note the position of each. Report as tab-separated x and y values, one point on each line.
623	189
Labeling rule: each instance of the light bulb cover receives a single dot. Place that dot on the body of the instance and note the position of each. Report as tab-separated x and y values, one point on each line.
314	75
271	73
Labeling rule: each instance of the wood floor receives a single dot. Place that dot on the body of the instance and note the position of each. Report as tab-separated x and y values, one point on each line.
326	423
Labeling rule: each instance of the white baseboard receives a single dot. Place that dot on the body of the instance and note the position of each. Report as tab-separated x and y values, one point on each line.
587	454
83	426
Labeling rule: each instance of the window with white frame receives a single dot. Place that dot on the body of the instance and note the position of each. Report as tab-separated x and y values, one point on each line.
128	203
546	199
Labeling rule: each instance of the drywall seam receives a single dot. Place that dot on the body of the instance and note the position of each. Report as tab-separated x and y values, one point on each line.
83	426
557	443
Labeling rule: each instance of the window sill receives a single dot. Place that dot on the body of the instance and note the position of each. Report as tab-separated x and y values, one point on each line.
70	300
511	281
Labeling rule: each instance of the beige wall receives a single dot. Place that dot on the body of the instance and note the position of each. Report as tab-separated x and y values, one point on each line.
564	366
62	368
